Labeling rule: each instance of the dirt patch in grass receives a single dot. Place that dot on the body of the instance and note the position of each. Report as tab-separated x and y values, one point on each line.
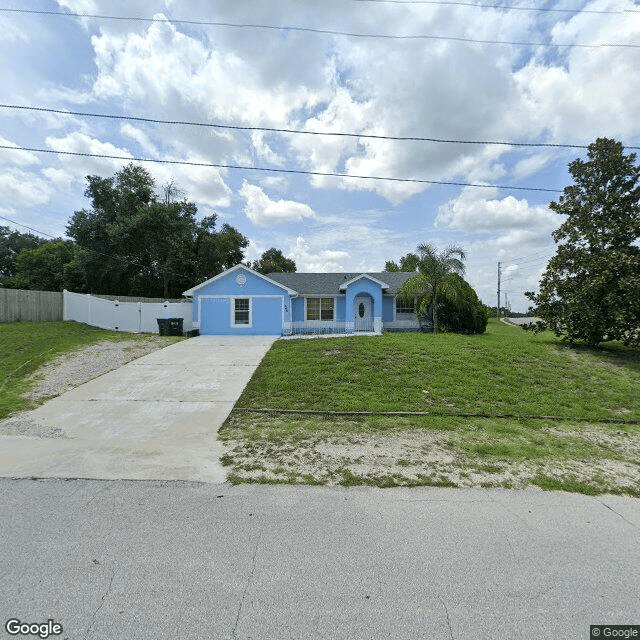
589	459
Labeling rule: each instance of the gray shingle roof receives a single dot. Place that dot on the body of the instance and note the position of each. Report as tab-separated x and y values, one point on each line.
329	283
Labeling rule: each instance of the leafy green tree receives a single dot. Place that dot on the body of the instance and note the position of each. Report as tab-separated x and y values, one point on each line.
407	263
272	261
134	243
216	251
590	290
11	244
438	280
43	268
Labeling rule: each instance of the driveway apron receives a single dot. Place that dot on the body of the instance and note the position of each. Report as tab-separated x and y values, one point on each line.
155	418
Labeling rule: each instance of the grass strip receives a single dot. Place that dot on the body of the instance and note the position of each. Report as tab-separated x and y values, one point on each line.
431	451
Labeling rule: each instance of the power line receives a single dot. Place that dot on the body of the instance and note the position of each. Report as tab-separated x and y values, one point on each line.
40	233
534	257
298	131
318	31
274	170
494	6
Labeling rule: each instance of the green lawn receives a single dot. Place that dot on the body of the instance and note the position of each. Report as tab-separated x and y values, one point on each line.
506	370
485	397
26	346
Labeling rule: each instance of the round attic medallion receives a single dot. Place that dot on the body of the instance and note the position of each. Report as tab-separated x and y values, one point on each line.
241	279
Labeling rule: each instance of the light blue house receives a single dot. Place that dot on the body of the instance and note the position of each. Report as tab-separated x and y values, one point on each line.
241	301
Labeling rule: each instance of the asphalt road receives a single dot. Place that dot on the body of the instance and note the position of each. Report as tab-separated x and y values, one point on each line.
155	560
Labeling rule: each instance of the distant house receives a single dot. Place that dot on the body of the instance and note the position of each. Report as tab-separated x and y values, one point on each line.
241	301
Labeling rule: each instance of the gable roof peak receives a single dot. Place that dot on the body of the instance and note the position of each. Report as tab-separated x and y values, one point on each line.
240	266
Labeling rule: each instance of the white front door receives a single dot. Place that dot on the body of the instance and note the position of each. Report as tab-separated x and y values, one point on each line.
363	313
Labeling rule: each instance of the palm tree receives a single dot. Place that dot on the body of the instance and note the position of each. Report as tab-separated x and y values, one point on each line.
436	279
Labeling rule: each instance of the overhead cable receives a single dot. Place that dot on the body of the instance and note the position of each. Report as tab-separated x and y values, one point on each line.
367	136
274	170
495	6
350	34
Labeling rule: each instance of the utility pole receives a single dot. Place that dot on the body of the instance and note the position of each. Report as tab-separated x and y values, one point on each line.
498	310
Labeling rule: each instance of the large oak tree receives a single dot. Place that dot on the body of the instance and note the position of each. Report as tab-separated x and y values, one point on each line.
590	290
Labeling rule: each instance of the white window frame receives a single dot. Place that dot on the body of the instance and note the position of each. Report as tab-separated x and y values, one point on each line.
321	298
402	313
233	312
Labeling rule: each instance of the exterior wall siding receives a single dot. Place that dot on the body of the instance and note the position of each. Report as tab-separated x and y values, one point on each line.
265	316
298	309
388	308
213	305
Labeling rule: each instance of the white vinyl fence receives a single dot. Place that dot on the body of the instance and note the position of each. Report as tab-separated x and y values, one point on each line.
134	317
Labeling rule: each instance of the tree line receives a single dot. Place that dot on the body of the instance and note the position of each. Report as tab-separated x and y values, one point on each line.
131	241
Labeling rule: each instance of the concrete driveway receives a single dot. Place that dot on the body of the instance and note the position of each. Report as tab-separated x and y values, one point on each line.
155	418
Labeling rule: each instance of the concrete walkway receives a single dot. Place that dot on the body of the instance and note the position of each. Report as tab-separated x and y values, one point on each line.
155	418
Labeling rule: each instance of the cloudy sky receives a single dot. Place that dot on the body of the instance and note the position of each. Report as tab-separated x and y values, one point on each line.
563	74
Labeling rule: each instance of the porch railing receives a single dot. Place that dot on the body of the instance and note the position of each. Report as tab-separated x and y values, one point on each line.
319	327
315	328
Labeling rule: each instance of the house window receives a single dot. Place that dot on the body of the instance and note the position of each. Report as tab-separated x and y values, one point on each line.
241	311
320	308
405	306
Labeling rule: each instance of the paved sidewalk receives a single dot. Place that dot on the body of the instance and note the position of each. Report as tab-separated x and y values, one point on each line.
155	418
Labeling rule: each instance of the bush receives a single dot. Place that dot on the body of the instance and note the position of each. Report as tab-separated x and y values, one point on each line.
464	313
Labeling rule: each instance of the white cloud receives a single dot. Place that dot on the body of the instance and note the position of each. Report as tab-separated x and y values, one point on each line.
18	158
472	213
82	143
167	68
594	92
509	230
23	189
59	178
12	33
263	211
322	261
264	151
531	165
203	185
141	138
